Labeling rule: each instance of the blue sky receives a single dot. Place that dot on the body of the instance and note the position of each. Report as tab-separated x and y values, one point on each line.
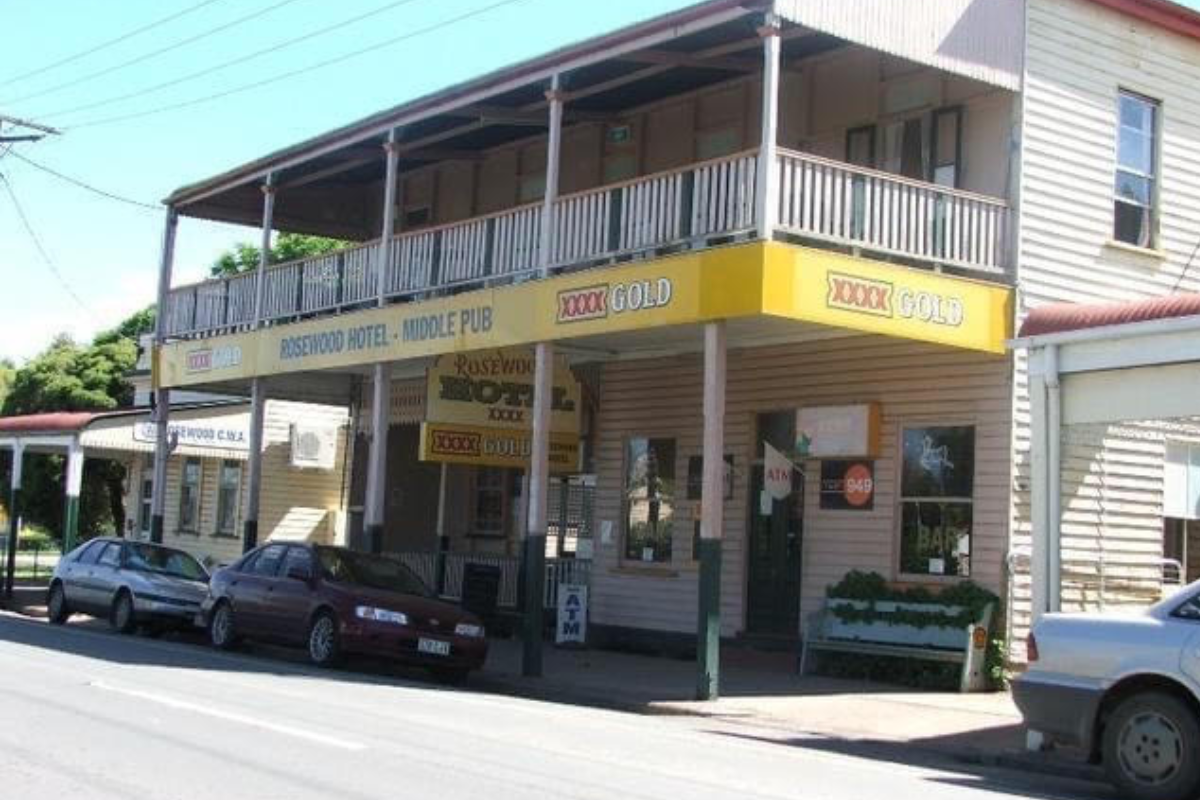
107	251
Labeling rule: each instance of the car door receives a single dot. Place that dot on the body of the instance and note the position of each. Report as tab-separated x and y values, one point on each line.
103	580
251	589
289	598
76	573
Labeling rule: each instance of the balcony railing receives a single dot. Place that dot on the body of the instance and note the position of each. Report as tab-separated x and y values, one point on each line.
696	206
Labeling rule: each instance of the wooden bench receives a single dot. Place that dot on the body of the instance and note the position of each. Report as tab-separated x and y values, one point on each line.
881	637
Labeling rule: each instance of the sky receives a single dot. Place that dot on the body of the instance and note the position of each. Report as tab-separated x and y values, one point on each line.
105	252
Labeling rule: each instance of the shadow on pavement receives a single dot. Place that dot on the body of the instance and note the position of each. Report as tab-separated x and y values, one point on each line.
975	768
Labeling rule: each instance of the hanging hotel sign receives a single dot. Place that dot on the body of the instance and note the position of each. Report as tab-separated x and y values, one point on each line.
493	447
195	434
838	431
494	388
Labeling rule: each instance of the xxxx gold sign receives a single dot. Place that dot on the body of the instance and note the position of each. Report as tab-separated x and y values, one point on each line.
885	299
493	447
600	300
494	388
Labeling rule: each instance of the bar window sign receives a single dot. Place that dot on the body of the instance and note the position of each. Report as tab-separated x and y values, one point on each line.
936	500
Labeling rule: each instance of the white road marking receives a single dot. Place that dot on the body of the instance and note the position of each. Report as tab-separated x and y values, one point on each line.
230	716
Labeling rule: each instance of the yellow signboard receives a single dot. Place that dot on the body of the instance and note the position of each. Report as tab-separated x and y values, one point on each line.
495	388
493	447
859	294
742	281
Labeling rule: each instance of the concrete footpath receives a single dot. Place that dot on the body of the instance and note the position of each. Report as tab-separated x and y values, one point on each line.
762	695
764	699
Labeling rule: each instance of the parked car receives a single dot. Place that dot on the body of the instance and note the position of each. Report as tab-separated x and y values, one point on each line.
336	601
1126	688
131	584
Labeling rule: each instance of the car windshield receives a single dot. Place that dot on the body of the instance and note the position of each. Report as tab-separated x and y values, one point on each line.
165	561
373	572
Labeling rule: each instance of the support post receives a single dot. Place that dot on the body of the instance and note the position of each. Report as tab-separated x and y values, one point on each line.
264	254
712	511
258	402
162	397
388	229
554	98
768	175
1039	484
535	533
74	483
443	541
381	401
1054	480
14	516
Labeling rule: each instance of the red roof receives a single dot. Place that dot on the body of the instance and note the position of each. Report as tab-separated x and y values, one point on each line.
1172	16
1061	317
54	422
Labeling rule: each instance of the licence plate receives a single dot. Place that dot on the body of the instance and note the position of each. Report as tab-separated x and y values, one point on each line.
433	647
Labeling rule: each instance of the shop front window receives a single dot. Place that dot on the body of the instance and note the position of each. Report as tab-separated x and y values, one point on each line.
227	497
189	496
936	500
491	510
649	499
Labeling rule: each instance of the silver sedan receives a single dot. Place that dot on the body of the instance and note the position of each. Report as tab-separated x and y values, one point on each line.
131	584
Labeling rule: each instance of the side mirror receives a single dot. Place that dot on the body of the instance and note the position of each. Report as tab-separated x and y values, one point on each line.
302	574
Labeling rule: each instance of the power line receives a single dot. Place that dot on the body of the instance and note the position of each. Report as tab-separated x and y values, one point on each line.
293	73
232	62
110	42
37	242
152	54
83	185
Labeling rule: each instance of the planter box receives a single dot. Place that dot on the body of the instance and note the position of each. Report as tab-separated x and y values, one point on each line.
886	633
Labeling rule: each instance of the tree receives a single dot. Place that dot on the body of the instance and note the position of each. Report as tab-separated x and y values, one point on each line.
244	257
70	377
8	372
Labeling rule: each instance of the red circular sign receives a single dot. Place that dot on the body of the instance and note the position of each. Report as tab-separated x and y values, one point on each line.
858	485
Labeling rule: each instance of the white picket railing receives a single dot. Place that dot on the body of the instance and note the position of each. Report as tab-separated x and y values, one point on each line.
694	206
887	213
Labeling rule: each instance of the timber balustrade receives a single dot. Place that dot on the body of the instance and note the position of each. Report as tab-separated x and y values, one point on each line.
700	205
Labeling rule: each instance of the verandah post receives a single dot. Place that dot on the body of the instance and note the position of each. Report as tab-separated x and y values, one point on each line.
768	175
708	621
74	483
14	515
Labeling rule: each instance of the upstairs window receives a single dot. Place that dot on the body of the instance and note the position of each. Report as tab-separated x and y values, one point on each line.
1137	170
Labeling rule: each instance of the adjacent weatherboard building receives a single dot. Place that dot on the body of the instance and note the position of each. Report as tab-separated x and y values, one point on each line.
717	304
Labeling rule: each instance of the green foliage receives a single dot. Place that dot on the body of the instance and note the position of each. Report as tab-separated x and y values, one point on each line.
34	538
244	257
8	373
67	376
871	588
131	329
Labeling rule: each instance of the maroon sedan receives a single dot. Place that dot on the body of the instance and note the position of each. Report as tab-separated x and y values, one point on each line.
339	601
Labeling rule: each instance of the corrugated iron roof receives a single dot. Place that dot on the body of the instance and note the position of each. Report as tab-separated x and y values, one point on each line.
53	422
1062	317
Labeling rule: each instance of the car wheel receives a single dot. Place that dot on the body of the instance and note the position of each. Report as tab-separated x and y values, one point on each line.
324	649
121	617
450	676
1152	748
221	630
56	605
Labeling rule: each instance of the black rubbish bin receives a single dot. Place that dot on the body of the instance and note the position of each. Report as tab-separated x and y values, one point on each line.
481	590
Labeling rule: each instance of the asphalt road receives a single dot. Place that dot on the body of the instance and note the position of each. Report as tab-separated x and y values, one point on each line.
89	714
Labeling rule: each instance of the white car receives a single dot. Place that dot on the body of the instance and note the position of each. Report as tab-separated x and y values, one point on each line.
1126	688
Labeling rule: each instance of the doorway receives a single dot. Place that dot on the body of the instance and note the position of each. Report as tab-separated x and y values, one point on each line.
776	532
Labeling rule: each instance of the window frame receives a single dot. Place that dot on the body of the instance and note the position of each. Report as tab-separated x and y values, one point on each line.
196	495
222	466
507	499
673	501
1154	177
901	499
